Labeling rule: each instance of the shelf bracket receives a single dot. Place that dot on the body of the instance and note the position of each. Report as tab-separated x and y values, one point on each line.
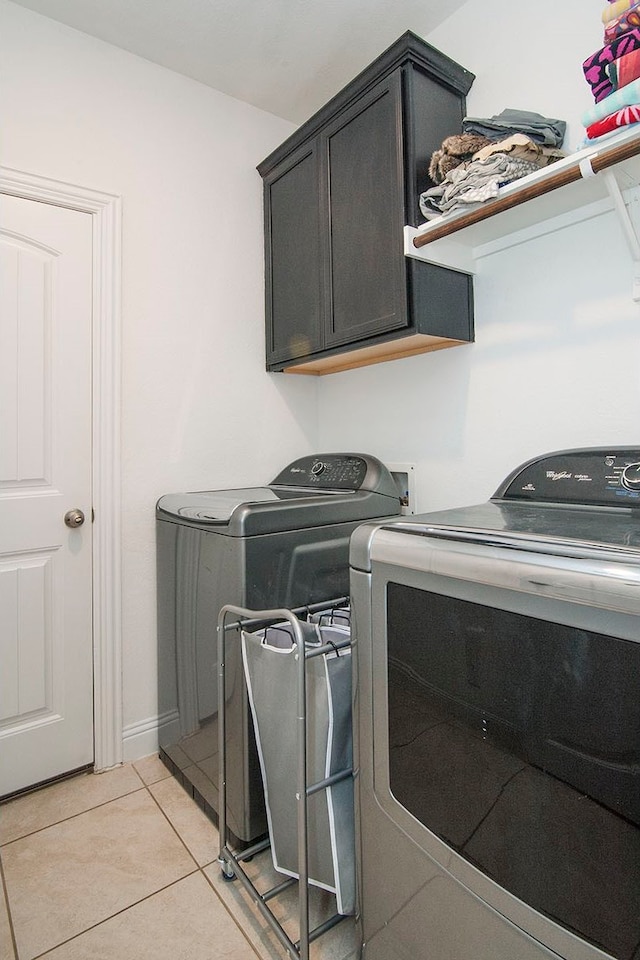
628	218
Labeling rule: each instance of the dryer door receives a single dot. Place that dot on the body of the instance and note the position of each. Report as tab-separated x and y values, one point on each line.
506	732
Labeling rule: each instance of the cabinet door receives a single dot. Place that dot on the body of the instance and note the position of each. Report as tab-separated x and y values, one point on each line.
363	151
293	257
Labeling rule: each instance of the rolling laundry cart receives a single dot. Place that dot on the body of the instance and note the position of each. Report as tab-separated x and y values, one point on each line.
304	641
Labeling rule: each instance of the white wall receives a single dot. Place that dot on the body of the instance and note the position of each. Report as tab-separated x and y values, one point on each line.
198	409
556	358
555	361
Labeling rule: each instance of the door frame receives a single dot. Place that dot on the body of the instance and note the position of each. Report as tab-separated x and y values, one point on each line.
106	213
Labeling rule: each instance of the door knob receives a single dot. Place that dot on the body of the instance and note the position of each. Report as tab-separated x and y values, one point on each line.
74	518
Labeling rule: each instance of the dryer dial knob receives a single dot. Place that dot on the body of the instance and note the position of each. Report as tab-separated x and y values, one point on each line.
631	476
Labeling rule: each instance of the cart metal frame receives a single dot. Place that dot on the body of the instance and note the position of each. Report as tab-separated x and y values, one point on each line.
230	860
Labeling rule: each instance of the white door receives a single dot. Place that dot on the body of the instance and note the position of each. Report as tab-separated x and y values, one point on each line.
46	659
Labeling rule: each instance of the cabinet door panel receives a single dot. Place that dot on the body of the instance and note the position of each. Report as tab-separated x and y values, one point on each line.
363	150
293	258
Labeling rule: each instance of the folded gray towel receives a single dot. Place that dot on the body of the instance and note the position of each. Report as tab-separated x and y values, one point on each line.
543	130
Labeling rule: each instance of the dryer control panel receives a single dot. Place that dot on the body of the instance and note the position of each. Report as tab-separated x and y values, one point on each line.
603	476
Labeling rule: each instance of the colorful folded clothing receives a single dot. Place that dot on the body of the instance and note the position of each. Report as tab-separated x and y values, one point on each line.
615	101
621	118
595	66
606	138
616	9
624	70
628	21
543	130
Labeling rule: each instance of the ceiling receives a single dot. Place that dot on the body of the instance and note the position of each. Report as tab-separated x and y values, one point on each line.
287	57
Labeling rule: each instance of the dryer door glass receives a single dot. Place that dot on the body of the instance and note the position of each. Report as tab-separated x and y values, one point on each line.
516	741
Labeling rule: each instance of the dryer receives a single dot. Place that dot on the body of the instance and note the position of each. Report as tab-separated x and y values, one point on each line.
285	544
497	719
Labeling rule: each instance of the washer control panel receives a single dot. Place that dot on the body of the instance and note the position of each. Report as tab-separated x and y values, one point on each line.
600	476
336	471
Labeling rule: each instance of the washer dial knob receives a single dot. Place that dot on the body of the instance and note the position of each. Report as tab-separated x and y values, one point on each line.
318	468
631	476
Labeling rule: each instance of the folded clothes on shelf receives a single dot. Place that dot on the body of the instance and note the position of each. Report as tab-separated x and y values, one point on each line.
624	70
474	183
621	118
465	179
453	151
521	146
616	9
622	24
596	66
624	97
543	130
606	138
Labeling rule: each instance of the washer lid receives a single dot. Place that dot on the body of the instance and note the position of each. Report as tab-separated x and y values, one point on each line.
218	506
261	510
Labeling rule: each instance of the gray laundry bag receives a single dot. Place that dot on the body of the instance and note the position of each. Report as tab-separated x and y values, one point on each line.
271	673
333	616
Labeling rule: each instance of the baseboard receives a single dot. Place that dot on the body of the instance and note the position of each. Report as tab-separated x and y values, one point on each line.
141	739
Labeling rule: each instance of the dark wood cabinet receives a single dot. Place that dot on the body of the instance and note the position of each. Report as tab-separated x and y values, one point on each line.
294	277
339	291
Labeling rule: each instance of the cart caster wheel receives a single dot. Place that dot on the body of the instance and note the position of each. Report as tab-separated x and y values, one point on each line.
227	877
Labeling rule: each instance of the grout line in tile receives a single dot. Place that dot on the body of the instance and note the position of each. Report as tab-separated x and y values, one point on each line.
130	764
72	816
93	926
201	869
172	826
198	869
231	913
5	895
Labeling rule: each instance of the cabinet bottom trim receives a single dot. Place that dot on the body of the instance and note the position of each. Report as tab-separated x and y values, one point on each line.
376	353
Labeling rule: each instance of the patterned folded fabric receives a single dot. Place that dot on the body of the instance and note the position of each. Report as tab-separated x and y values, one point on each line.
595	66
625	69
621	118
616	9
473	183
615	101
629	20
454	150
520	146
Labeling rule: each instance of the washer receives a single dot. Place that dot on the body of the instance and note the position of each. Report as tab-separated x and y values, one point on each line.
285	544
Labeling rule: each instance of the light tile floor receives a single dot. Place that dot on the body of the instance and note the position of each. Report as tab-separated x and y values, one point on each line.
122	866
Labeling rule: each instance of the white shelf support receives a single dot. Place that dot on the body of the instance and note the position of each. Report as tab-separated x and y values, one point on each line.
628	223
445	253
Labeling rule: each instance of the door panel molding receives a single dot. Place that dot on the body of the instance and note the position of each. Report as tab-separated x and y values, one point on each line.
106	213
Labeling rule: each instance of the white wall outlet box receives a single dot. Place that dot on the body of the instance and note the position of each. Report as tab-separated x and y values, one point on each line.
404	475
